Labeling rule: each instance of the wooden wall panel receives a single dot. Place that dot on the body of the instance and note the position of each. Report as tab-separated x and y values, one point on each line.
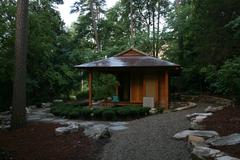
164	90
136	88
150	86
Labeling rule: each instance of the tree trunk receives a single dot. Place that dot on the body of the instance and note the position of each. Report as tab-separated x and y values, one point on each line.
149	19
19	85
154	40
95	30
158	29
131	25
180	38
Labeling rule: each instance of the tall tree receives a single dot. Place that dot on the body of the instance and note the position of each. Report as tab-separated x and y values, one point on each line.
19	86
93	9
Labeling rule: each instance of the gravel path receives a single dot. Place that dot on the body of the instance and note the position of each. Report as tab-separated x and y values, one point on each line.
150	138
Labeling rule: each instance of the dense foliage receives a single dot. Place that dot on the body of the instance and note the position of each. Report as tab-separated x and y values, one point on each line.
201	35
114	113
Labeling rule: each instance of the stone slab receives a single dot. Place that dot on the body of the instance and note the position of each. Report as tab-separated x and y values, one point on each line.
184	134
232	139
118	128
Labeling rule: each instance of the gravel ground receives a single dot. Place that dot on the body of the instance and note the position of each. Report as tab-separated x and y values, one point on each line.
150	138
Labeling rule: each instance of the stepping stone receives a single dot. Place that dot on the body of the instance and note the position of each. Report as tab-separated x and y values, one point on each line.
118	123
201	152
198	114
199	119
226	158
60	121
86	124
66	130
196	141
97	131
118	128
184	134
46	120
195	126
190	105
225	140
214	109
33	118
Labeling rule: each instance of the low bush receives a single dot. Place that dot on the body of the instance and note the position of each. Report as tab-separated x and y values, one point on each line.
143	111
86	112
82	95
114	113
97	113
160	109
109	114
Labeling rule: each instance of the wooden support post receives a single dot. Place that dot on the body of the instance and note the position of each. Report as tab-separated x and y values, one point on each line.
90	77
164	90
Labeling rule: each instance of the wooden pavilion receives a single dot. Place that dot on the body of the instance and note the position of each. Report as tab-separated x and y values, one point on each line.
139	76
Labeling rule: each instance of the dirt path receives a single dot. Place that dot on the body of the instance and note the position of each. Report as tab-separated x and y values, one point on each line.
151	138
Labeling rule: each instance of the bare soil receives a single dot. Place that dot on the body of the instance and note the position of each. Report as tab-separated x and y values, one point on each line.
37	141
225	122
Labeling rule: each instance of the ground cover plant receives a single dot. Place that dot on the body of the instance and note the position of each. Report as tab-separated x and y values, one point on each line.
114	113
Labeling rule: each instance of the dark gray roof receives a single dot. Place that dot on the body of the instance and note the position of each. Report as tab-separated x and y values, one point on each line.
130	60
133	61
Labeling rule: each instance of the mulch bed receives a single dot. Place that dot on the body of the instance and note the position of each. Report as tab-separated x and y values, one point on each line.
225	122
37	141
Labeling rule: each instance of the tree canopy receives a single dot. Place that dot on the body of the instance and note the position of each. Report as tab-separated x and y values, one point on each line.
203	36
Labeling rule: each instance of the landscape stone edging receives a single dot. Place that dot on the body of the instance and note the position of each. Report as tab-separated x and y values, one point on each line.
199	145
208	99
190	105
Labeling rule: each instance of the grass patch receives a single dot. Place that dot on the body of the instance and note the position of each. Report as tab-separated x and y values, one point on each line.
114	113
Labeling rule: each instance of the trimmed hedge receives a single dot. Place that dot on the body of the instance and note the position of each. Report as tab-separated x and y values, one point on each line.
114	113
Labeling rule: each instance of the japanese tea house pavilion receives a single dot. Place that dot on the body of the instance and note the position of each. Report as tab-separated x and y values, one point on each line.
139	76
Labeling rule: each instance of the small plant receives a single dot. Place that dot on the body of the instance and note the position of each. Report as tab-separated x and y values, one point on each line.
160	109
143	111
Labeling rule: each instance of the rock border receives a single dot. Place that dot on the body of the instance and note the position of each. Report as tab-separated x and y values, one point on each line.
199	140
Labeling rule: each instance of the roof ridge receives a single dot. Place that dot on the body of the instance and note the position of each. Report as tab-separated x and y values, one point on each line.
132	48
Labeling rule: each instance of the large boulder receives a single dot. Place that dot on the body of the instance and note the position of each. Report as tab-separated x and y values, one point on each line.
66	130
98	131
232	139
194	141
193	115
195	126
214	109
184	134
204	153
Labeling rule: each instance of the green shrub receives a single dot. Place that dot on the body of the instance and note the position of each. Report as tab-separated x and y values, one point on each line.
143	111
160	109
226	80
73	114
86	112
134	112
109	114
75	111
82	95
97	113
122	112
